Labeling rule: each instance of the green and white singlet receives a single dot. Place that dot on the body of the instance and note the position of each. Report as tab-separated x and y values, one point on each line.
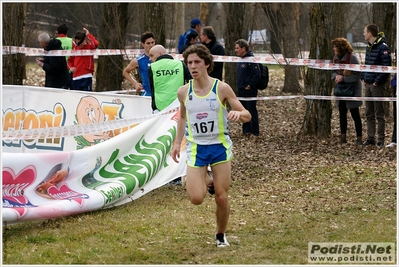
206	125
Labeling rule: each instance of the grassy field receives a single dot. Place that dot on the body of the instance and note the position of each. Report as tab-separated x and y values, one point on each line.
286	191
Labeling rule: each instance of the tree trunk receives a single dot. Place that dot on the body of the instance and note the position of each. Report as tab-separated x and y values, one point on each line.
204	12
235	30
154	21
14	69
326	22
384	15
290	39
273	13
180	26
112	34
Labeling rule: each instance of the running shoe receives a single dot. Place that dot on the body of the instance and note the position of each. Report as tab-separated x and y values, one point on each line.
221	240
392	144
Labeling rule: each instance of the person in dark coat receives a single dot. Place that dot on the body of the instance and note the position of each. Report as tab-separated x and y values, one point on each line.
191	39
377	53
208	39
248	76
55	67
342	50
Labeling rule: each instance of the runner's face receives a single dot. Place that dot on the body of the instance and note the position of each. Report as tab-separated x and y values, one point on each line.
196	65
149	43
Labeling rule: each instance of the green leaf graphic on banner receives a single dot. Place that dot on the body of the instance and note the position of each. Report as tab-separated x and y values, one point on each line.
142	166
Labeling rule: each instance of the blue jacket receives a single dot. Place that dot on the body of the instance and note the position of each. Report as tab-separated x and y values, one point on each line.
377	54
182	40
248	74
393	81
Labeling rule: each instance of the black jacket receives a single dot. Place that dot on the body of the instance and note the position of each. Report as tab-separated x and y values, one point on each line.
185	46
377	54
248	74
56	69
216	49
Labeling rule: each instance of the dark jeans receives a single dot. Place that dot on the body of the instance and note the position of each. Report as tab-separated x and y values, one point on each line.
84	84
69	84
251	127
343	122
375	113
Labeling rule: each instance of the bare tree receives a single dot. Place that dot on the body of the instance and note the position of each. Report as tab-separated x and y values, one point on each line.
326	22
234	31
14	15
204	12
290	39
283	19
384	15
273	13
179	10
112	35
154	21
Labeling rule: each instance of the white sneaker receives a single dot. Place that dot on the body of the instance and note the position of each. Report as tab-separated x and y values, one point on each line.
221	241
393	144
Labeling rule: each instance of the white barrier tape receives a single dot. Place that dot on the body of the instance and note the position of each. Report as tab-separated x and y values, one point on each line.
354	67
94	52
79	129
134	52
74	130
269	97
261	58
319	97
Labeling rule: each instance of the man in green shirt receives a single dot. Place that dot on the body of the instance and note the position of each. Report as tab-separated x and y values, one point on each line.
165	75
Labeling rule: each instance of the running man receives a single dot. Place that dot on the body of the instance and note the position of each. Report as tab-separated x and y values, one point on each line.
204	118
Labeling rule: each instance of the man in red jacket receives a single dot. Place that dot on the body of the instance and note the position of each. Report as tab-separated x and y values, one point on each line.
82	67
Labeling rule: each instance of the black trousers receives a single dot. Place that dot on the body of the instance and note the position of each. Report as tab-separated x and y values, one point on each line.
343	122
251	127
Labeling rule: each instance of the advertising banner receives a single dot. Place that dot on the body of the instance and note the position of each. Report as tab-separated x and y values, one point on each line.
75	175
39	108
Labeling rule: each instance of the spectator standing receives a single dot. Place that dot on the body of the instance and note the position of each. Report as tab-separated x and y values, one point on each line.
393	140
342	50
67	44
377	53
141	63
165	75
55	67
248	76
82	67
196	25
192	38
203	118
208	38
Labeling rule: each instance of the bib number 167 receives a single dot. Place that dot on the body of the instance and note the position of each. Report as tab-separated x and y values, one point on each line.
204	127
